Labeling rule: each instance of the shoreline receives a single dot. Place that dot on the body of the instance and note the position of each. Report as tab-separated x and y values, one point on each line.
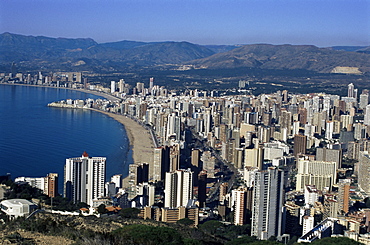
87	91
140	143
140	139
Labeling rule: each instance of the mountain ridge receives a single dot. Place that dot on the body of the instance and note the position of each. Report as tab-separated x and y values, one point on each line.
86	54
286	56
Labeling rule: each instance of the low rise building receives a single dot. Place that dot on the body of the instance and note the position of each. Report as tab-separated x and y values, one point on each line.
17	207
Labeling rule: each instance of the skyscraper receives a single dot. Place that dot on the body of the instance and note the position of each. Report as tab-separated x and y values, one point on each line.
84	178
242	200
300	143
151	83
351	88
112	87
51	185
178	188
364	171
367	115
161	163
268	216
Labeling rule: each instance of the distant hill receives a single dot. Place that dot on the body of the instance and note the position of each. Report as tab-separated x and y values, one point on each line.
349	48
266	56
221	48
86	54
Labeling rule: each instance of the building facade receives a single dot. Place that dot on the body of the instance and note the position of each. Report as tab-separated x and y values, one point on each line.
84	178
268	216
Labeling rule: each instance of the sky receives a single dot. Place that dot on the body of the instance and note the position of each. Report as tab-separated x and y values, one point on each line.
317	22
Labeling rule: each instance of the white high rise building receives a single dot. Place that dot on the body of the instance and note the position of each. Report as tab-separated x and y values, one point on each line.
173	126
112	87
84	178
367	115
268	216
364	101
351	88
178	188
329	130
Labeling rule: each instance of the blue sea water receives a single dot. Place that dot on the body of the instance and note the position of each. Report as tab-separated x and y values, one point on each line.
35	139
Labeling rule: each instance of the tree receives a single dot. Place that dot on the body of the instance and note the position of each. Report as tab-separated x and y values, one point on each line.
102	209
211	226
146	235
337	241
130	213
185	222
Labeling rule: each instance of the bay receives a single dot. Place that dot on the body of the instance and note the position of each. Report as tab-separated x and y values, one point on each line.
36	140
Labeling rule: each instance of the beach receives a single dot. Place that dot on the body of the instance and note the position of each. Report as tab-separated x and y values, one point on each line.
140	139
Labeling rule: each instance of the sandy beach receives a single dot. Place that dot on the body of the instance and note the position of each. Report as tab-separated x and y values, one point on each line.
140	139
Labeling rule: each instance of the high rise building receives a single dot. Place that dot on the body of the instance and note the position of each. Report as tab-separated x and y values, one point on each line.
178	188
329	130
242	203
51	184
268	216
209	162
140	87
343	198
84	178
195	158
321	174
202	188
364	172
329	155
300	144
161	163
364	100
151	83
121	86
311	195
112	87
367	115
174	157
350	92
173	126
254	157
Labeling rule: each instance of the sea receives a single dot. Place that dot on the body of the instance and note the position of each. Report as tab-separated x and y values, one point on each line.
36	139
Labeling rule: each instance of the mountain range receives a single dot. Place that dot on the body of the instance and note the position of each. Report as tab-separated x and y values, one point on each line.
85	54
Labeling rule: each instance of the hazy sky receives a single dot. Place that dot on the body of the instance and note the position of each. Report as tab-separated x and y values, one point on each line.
317	22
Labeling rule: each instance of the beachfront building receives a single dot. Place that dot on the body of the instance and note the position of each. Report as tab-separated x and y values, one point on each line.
48	184
84	178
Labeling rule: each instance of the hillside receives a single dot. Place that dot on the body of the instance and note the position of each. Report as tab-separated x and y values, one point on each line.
31	52
266	56
84	54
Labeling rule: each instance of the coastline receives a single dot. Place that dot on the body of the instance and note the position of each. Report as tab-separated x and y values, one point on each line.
140	140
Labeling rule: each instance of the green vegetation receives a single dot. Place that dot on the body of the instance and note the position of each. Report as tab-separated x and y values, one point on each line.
336	240
185	222
129	213
221	230
143	234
